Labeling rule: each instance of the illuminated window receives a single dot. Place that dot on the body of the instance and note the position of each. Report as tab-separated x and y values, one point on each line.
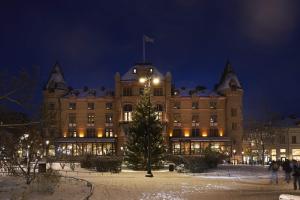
127	110
213	104
72	126
194	105
90	106
108	118
296	154
72	120
177	118
109	132
159	111
108	106
72	106
176	148
195	120
282	150
91	119
134	70
176	105
213	120
151	70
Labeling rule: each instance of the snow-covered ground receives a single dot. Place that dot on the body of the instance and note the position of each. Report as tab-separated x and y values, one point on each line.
226	182
15	188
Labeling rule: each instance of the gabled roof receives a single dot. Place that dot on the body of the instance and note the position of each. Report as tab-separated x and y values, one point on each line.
83	93
134	73
228	77
186	92
56	78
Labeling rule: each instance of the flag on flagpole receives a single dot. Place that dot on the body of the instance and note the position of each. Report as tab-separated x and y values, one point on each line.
148	39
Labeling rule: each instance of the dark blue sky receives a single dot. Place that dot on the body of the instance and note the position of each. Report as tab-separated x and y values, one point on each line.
193	38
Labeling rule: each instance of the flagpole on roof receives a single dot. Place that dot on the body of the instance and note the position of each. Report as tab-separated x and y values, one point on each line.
144	50
146	39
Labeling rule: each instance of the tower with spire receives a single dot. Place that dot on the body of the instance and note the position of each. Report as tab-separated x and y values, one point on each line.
54	89
230	87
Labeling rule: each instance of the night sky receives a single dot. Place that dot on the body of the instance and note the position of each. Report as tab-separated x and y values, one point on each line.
193	39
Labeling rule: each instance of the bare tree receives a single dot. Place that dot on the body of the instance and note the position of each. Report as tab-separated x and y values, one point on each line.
18	89
30	152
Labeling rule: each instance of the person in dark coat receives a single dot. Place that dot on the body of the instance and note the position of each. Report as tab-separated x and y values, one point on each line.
296	174
287	168
274	167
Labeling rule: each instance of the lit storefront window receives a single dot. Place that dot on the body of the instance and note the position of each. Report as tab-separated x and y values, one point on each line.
80	149
296	154
273	154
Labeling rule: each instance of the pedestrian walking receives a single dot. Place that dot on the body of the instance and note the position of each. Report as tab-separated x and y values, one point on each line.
274	166
296	174
287	168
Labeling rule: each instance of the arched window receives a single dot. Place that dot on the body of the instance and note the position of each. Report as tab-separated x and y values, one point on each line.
127	112
159	111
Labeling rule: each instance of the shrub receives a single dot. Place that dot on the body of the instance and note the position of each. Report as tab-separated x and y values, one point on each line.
108	164
197	163
87	162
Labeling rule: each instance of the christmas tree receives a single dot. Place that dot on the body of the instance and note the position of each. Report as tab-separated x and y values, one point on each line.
145	121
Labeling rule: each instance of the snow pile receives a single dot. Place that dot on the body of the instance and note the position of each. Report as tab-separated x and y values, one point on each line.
185	189
288	197
238	171
170	195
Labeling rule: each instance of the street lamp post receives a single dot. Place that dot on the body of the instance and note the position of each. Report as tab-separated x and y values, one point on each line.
234	151
47	147
148	81
242	157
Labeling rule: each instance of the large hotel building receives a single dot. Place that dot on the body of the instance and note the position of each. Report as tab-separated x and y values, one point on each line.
96	121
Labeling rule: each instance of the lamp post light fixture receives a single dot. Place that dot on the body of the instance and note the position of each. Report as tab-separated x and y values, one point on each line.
47	146
243	157
234	151
148	81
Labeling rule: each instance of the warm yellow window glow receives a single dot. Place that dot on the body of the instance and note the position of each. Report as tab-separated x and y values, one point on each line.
170	134
100	132
81	133
65	134
220	133
186	133
204	134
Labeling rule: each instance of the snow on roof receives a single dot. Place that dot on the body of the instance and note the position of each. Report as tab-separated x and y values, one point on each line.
186	92
136	71
287	122
83	93
226	82
56	78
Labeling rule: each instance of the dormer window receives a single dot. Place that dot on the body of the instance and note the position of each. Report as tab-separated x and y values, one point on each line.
134	70
151	70
233	85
